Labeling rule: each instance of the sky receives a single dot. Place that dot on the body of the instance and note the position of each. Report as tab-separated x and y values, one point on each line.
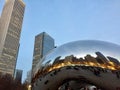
66	21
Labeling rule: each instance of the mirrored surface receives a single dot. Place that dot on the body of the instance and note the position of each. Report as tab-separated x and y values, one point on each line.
81	53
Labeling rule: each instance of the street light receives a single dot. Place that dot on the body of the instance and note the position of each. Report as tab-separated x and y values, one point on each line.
29	87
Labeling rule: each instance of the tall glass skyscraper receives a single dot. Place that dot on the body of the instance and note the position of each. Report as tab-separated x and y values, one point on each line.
10	30
43	44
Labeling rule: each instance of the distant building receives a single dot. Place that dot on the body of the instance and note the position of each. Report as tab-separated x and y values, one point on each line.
18	75
101	58
114	60
89	58
10	30
28	79
43	44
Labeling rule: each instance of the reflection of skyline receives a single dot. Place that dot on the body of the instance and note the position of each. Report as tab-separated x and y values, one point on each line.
82	48
101	61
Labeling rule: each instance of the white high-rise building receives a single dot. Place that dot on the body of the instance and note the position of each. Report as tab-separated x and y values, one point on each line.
10	29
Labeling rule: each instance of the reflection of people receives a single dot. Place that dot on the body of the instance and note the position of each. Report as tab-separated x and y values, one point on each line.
118	88
96	72
94	88
117	74
66	86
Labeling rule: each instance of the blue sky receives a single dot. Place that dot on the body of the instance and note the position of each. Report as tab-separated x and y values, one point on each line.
66	21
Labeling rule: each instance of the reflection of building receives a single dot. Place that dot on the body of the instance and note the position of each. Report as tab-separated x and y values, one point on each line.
57	59
18	75
79	65
114	60
89	58
43	44
69	58
101	58
10	30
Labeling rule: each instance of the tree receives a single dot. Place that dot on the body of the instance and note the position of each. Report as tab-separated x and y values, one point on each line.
7	82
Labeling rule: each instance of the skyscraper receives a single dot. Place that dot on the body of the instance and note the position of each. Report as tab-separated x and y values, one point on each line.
28	79
10	30
18	75
43	44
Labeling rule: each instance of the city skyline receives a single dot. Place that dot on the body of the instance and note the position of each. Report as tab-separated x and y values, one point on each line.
67	21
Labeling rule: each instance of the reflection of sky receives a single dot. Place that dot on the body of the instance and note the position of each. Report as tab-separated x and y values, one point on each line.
82	48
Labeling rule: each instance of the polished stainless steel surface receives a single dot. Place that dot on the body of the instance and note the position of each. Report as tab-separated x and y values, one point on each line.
90	62
80	49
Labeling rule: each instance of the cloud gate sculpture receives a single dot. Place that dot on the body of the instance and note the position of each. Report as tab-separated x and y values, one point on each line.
79	65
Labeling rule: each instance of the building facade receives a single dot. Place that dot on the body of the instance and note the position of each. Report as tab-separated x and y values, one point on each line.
10	30
28	79
43	44
18	75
